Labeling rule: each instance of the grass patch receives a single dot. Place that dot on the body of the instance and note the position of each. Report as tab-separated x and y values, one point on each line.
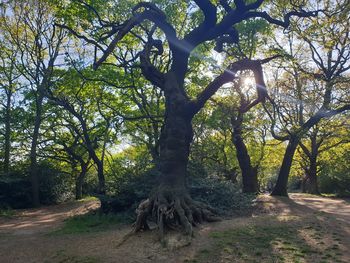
92	222
258	242
8	213
269	243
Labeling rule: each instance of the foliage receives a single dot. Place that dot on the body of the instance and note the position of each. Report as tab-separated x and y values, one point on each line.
334	176
133	183
129	191
122	113
224	196
14	192
8	213
15	189
55	186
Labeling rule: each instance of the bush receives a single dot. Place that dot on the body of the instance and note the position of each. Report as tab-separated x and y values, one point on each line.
224	196
55	186
129	191
294	184
335	183
14	192
15	189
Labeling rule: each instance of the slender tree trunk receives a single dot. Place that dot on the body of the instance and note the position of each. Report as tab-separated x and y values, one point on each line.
101	177
249	173
154	154
93	156
7	134
303	183
80	181
153	144
311	184
280	188
34	176
100	170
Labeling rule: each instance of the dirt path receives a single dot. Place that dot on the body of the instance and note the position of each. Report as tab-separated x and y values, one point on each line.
44	219
25	238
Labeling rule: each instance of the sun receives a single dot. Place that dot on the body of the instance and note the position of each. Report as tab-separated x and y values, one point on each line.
248	81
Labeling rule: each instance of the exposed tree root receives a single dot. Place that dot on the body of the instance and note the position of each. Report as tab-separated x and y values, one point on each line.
171	210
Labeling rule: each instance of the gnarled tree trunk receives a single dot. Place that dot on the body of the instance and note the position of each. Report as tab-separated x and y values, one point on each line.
170	203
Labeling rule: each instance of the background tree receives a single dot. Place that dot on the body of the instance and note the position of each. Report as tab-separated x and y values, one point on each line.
322	137
90	119
9	84
328	71
30	27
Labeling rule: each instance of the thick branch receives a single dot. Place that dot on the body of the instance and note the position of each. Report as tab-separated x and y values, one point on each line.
150	72
152	14
209	11
228	76
305	149
323	114
286	18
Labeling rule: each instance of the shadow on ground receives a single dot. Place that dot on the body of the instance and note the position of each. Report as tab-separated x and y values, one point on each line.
301	229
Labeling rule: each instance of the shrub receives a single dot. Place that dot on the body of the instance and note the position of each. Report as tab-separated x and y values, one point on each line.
294	184
55	186
14	192
224	196
128	192
337	183
15	189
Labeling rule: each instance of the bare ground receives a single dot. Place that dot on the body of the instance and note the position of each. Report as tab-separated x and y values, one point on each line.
25	238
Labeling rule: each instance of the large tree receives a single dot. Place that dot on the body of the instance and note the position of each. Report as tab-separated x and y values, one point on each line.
160	32
9	76
322	81
29	26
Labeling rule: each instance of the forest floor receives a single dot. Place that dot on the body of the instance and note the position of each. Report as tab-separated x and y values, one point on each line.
304	228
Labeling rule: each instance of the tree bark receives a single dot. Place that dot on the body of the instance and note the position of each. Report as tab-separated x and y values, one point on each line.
101	176
280	188
80	181
310	181
92	153
249	173
33	168
170	203
7	138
